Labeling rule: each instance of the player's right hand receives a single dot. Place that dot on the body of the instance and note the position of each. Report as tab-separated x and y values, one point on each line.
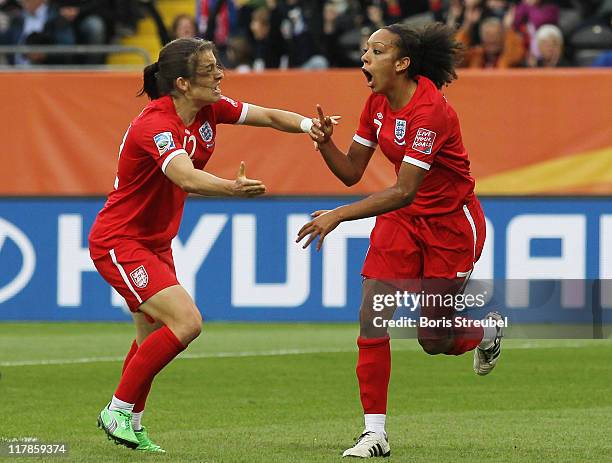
245	187
323	127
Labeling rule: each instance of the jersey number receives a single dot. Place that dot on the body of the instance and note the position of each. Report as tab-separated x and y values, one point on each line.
191	139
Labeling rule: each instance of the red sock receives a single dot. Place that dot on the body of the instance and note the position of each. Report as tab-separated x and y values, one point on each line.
373	372
140	403
157	350
129	355
465	338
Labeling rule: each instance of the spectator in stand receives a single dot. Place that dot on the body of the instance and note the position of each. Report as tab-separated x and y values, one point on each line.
340	39
9	7
330	35
301	46
530	15
184	26
217	20
549	46
455	16
375	16
87	18
399	9
500	47
497	8
269	44
240	55
41	18
126	14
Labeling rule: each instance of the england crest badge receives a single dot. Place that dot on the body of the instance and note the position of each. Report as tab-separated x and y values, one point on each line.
140	277
400	131
206	132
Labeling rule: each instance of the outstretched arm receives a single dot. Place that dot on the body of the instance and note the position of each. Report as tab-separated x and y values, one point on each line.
181	172
349	168
278	119
399	195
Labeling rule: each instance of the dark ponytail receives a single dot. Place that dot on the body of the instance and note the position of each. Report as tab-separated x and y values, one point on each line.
149	81
176	59
433	51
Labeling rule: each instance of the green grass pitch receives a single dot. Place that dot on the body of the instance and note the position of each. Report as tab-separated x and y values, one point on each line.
288	393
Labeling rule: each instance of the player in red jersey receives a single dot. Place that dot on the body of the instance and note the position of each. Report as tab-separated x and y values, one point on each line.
160	162
429	229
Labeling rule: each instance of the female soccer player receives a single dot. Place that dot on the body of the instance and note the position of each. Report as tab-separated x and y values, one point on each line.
429	225
160	162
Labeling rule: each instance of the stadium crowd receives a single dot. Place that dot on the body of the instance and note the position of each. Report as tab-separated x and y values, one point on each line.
317	34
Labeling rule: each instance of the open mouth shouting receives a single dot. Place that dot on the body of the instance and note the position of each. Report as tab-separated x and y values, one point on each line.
369	77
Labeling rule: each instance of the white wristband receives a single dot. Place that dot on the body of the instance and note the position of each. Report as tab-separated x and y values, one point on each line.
306	125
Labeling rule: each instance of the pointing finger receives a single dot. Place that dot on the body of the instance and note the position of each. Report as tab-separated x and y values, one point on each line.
320	111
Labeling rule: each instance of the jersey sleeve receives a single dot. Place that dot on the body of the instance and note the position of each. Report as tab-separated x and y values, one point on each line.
426	135
369	126
161	140
228	111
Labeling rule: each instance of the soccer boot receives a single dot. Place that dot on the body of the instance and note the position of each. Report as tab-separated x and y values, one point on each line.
146	445
486	359
369	444
117	424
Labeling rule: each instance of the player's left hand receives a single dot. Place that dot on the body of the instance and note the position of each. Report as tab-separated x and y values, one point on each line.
325	221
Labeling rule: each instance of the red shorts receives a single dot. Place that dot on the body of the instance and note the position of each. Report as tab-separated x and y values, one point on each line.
426	247
137	272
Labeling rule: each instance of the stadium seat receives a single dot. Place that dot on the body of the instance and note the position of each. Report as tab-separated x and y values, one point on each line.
586	57
146	34
595	36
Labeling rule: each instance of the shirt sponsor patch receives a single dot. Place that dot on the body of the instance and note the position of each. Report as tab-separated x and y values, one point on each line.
164	142
206	132
140	277
230	101
424	141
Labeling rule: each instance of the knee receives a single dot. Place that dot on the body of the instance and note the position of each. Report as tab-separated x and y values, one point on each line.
368	327
435	346
195	325
191	327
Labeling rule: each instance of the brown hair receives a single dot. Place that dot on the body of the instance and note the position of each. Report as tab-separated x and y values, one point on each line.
432	50
176	59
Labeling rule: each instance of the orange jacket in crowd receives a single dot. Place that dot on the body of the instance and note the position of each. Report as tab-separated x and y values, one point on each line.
511	56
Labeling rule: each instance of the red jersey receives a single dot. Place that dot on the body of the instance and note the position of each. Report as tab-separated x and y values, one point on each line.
145	205
424	133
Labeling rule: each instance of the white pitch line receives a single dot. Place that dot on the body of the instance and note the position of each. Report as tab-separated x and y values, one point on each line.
204	355
278	352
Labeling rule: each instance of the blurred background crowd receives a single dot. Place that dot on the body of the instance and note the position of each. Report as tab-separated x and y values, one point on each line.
253	35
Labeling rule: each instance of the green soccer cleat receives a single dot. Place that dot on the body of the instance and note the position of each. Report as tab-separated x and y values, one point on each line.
145	444
117	424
